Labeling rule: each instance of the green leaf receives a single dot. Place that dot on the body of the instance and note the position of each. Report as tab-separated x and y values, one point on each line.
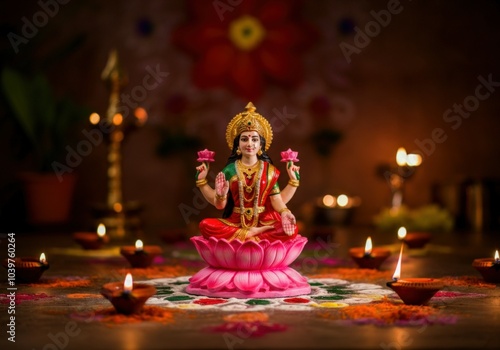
17	91
44	102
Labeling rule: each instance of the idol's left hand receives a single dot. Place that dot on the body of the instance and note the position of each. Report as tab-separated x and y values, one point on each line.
293	171
288	221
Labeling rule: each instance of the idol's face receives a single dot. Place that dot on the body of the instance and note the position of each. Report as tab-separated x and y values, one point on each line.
249	143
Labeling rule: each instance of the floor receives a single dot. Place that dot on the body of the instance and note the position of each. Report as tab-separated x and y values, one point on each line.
65	310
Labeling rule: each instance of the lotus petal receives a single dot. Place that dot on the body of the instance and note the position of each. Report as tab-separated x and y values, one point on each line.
236	244
248	281
273	255
205	251
249	256
294	250
264	244
219	279
225	254
201	275
295	276
276	278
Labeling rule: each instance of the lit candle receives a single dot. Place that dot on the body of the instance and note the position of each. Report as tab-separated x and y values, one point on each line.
402	232
413	291
407	159
141	116
117	119
489	268
140	255
397	271
368	247
413	159
401	156
342	200
92	240
128	297
128	284
101	230
329	201
94	118
28	269
369	257
139	246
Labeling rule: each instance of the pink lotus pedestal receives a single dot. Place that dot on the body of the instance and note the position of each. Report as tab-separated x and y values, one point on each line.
248	269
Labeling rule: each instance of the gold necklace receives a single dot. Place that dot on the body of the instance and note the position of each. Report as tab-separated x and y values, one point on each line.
249	172
255	220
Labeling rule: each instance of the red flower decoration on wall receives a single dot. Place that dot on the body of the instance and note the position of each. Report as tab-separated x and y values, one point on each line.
242	47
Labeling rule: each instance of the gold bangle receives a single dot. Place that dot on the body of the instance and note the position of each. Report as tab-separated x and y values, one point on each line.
294	183
202	182
220	198
282	210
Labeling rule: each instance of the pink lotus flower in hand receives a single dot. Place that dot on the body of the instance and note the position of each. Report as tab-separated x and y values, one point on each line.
289	156
206	156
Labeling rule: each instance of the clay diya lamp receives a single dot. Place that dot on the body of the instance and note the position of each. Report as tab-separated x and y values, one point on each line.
92	240
414	240
369	257
27	270
489	268
140	255
128	297
413	291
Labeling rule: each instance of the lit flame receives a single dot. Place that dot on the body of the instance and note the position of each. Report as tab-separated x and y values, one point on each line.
43	260
414	159
118	207
402	232
401	156
342	200
141	115
329	200
94	118
368	246
397	272
117	119
497	258
139	245
101	230
127	285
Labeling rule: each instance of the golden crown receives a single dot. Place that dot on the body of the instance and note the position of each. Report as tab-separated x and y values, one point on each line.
249	121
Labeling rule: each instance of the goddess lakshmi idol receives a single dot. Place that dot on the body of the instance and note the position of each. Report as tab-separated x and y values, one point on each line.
249	249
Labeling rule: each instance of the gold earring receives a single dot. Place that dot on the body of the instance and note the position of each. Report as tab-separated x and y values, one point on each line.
238	152
259	152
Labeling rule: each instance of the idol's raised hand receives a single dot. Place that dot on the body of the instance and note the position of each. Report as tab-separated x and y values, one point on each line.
205	157
221	185
293	171
202	171
289	157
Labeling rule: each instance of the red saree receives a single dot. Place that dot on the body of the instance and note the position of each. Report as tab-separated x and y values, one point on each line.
252	207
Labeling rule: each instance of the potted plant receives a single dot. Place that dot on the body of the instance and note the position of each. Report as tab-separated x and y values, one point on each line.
46	123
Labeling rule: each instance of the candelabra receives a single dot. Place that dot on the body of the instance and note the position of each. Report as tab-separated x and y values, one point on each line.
396	176
119	217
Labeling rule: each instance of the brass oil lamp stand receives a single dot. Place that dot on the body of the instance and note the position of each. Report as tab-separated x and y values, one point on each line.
121	218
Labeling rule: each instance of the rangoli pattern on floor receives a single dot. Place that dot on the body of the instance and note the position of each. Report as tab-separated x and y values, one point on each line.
325	293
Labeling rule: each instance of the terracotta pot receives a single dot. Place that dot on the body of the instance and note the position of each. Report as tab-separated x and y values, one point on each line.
48	199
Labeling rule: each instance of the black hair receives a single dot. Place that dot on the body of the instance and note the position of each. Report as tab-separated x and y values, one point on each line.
228	210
